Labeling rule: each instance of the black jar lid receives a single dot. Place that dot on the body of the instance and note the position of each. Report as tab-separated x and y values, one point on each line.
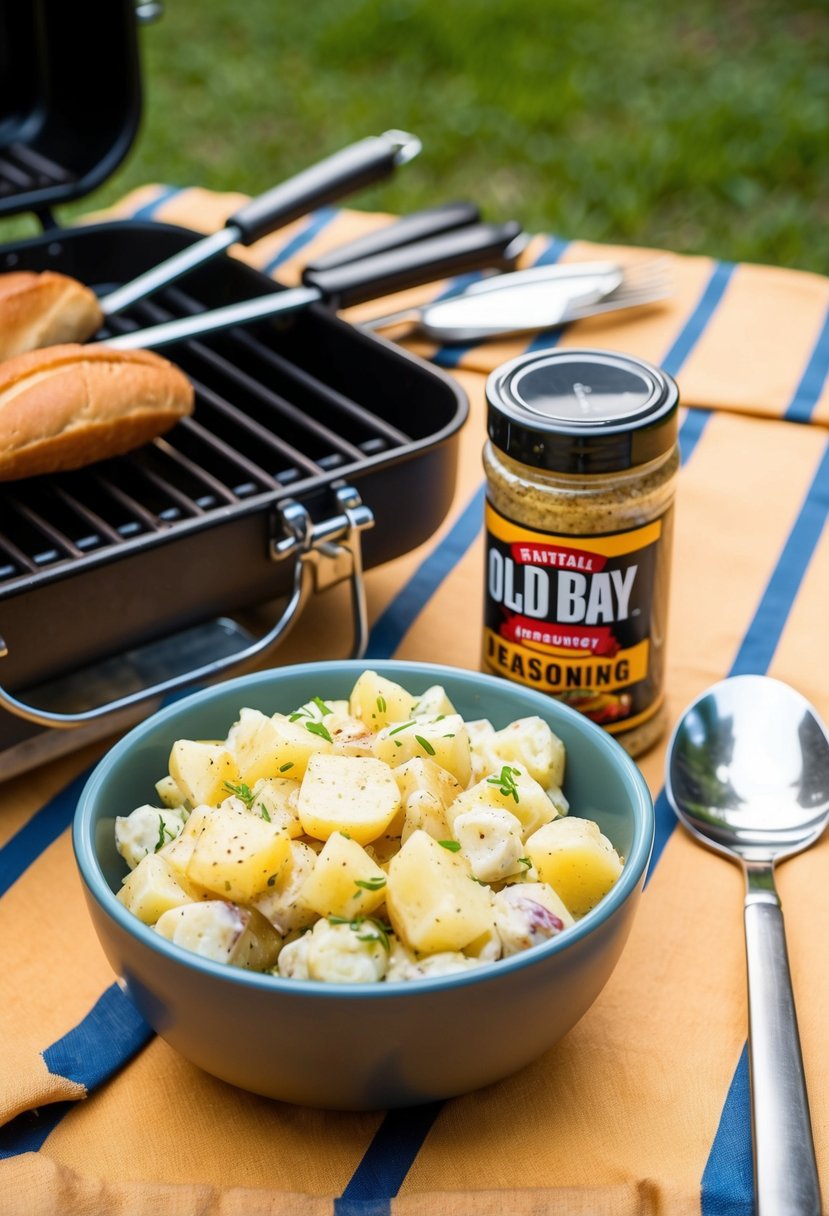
581	411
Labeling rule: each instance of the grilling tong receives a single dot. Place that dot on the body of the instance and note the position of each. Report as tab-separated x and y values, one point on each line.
493	306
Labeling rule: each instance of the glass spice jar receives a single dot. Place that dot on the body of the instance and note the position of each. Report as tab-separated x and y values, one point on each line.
581	467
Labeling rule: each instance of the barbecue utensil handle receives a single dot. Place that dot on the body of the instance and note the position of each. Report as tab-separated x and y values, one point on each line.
349	169
470	248
417	226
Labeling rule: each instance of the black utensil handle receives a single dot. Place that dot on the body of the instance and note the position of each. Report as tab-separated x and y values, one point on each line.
471	248
345	171
418	226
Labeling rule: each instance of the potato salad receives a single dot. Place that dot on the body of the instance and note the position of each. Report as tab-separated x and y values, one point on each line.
378	839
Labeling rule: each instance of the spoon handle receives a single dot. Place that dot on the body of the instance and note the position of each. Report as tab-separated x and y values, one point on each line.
785	1170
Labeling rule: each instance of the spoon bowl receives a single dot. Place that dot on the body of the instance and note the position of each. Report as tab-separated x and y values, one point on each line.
748	769
747	773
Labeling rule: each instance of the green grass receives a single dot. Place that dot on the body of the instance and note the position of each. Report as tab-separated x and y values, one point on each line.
701	127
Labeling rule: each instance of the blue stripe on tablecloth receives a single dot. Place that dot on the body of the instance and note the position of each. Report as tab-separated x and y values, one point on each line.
93	1051
727	1181
450	356
318	220
810	387
147	212
387	1161
693	328
43	829
392	625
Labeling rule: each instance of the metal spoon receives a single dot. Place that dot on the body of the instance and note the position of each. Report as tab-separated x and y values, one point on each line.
748	775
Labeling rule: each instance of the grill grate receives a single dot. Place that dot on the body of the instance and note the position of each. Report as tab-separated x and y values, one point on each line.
23	169
261	425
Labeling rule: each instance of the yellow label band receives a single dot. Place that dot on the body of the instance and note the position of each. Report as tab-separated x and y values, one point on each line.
556	672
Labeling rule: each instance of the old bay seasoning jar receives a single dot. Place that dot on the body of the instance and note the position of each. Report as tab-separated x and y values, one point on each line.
581	466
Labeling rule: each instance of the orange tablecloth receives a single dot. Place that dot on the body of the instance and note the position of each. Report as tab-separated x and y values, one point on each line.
642	1109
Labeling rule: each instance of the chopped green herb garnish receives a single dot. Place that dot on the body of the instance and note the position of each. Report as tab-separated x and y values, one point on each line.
425	744
397	743
371	884
321	706
506	781
380	934
402	726
525	861
451	845
163	831
477	880
381	704
283	768
242	791
317	728
264	811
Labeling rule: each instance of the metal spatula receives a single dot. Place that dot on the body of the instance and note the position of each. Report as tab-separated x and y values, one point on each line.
532	300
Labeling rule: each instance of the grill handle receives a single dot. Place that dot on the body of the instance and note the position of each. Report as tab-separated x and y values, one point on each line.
350	169
470	248
324	554
416	226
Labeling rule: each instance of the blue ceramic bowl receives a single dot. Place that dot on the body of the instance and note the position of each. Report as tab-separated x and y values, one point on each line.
363	1047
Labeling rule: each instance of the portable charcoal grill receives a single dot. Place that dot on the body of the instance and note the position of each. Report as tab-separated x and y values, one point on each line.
315	450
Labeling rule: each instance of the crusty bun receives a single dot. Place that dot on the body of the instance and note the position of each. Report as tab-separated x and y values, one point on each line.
44	309
67	406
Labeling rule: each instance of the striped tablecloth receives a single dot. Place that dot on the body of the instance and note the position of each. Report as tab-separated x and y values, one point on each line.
643	1108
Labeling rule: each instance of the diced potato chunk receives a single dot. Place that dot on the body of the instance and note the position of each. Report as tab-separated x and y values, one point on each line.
345	881
350	736
346	954
145	830
238	855
579	863
527	914
352	794
281	904
168	793
511	789
490	840
443	740
433	902
177	853
275	799
152	889
223	932
426	791
529	743
377	701
200	771
432	702
275	746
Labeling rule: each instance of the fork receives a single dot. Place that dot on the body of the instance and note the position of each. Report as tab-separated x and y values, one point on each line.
530	301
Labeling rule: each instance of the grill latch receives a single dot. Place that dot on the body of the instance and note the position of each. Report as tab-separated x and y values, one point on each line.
328	553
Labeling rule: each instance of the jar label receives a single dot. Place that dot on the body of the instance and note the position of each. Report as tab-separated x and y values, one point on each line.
578	617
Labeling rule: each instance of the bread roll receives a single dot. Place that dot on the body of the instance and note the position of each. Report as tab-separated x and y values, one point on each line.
43	309
67	406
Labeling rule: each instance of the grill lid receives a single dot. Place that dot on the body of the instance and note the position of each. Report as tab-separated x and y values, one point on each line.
68	113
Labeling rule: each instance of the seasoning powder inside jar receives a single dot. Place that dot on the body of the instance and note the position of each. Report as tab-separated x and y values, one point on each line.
581	466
